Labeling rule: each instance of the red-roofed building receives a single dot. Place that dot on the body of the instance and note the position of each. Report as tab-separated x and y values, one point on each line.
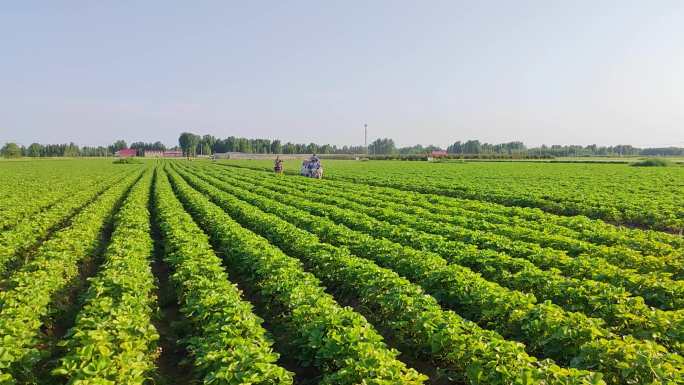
438	154
125	153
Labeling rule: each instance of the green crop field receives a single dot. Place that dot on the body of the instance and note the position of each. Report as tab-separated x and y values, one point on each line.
382	273
645	197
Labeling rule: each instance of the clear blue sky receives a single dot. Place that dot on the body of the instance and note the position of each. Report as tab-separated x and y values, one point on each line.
579	72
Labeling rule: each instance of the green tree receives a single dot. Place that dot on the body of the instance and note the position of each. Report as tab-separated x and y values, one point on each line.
382	146
244	145
72	150
206	149
210	141
472	147
311	148
34	150
11	150
119	145
188	143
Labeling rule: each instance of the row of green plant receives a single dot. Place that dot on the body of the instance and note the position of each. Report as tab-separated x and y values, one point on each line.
413	319
15	191
30	187
226	341
518	248
28	299
578	227
30	230
547	330
653	162
624	313
656	288
562	230
615	193
113	340
664	257
511	238
335	340
127	161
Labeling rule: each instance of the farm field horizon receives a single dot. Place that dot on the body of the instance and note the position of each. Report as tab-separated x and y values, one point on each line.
383	272
645	197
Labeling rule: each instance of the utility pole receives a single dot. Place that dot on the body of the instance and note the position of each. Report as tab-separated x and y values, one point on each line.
365	137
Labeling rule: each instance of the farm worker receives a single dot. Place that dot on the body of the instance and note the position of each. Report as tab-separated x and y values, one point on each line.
278	165
313	165
305	168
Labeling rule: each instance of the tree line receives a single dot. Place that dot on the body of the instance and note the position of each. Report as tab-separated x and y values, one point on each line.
36	150
192	145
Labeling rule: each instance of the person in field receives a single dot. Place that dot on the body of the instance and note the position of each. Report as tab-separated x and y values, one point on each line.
305	168
312	167
315	168
278	167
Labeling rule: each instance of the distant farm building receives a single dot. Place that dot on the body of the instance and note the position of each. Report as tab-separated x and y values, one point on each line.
173	154
438	154
125	153
252	156
153	154
164	154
